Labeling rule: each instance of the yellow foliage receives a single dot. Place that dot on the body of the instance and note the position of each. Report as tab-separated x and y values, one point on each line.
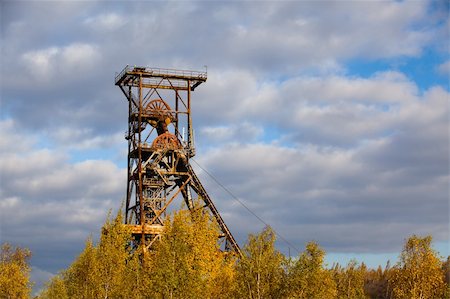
188	263
350	281
307	277
418	274
259	272
99	271
14	272
56	288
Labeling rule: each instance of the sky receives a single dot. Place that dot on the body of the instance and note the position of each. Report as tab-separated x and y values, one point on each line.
327	119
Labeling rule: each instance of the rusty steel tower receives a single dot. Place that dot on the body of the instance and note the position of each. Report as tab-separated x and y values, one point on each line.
160	144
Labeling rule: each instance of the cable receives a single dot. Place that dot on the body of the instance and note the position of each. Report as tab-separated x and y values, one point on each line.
247	208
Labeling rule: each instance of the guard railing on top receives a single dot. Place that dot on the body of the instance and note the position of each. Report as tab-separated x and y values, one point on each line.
118	76
163	72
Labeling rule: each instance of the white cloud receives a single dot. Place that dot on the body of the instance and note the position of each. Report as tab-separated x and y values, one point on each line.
386	87
11	139
79	57
74	138
297	36
40	62
9	202
398	158
314	193
105	22
241	132
52	197
47	64
330	109
225	95
444	68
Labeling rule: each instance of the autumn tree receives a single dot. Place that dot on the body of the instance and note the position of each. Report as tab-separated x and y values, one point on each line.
350	280
260	271
446	270
113	253
187	262
14	272
55	288
135	281
376	282
308	278
99	271
418	274
81	278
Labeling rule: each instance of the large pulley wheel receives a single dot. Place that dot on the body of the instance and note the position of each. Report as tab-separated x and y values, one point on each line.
166	141
159	110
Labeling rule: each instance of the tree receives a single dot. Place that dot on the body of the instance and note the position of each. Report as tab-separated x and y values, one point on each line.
260	271
187	262
350	280
308	278
112	255
446	270
99	271
55	288
81	278
418	274
14	272
376	284
136	281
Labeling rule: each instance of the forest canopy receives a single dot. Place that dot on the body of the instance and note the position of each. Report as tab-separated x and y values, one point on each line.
187	263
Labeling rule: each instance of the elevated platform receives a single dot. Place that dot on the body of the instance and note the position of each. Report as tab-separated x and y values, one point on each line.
136	229
147	150
160	78
146	115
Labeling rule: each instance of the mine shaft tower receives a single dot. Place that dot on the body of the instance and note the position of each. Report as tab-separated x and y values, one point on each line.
160	144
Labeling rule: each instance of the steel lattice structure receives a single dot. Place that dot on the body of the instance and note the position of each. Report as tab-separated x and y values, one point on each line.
158	151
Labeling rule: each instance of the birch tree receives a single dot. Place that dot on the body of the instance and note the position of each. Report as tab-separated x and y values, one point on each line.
308	278
14	272
187	262
260	271
418	274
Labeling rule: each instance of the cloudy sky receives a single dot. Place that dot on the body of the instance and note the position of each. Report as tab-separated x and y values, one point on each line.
329	120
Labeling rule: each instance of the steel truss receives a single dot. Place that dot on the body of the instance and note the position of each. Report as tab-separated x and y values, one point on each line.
158	151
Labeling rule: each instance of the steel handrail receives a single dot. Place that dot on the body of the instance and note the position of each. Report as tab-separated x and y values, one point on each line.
163	72
120	75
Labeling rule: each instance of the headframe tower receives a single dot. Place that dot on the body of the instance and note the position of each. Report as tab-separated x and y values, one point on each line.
160	143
